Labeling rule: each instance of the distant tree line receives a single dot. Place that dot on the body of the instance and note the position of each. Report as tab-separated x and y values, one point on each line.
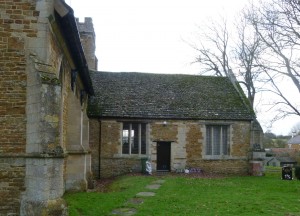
271	140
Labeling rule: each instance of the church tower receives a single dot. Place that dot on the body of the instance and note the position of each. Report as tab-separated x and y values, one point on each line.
87	37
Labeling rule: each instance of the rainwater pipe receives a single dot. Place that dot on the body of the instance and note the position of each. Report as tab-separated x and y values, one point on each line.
99	149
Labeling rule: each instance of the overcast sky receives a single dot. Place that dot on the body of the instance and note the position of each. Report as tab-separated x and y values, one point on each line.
149	36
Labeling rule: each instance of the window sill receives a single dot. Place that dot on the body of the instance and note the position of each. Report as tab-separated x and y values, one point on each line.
132	156
222	157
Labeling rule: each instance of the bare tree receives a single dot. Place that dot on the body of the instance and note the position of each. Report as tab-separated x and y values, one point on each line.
218	54
248	50
278	26
213	49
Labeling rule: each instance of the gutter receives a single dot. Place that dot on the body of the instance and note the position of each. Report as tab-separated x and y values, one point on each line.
64	16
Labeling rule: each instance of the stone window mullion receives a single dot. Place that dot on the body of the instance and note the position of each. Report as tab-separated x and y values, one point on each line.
140	137
129	140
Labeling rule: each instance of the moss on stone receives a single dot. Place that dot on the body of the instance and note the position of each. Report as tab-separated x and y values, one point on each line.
55	207
172	96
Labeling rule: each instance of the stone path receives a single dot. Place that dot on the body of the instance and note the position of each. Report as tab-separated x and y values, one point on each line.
153	186
124	211
145	194
138	199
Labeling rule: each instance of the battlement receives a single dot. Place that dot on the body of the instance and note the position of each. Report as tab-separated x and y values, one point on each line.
86	26
88	41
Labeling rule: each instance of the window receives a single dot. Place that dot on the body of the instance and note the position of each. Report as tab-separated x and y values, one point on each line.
134	138
217	141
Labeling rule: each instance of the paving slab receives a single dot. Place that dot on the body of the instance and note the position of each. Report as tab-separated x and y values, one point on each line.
159	181
136	201
153	186
145	194
124	211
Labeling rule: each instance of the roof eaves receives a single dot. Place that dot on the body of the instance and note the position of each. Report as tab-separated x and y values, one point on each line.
65	16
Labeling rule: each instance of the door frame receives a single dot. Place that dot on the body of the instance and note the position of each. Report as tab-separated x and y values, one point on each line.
163	156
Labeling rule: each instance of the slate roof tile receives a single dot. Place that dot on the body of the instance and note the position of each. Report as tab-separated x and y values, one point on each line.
166	96
294	140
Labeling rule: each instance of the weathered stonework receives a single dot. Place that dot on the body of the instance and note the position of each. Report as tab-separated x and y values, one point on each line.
194	137
110	138
119	166
95	147
48	207
18	22
39	109
162	132
12	174
241	139
15	27
88	38
293	146
44	186
187	147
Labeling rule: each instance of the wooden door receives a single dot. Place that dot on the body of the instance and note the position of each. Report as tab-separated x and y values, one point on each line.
163	156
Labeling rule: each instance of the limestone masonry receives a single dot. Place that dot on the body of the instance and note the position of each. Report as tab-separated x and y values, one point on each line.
64	124
44	88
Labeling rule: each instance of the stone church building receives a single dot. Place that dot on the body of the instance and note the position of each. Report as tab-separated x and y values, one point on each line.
175	121
63	123
44	89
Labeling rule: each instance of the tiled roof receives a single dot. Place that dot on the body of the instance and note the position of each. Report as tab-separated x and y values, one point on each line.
166	96
282	159
294	140
286	159
281	151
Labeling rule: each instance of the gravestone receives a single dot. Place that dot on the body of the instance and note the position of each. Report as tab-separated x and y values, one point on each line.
287	173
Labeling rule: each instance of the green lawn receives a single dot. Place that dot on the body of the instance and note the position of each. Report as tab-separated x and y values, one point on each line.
179	195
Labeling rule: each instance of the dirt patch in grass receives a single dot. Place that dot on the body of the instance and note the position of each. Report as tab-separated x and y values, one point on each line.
103	185
202	174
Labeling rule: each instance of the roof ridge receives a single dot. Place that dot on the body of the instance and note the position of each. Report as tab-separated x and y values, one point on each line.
162	74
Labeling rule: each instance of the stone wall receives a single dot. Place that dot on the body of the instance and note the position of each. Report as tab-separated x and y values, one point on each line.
94	134
236	166
241	139
112	163
110	138
293	146
18	22
35	92
187	145
88	38
12	174
164	131
194	150
236	163
117	166
257	134
44	179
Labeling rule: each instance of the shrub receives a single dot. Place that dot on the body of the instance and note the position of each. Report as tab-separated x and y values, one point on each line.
297	172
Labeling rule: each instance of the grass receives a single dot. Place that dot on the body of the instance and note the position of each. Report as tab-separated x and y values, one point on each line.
179	195
97	203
